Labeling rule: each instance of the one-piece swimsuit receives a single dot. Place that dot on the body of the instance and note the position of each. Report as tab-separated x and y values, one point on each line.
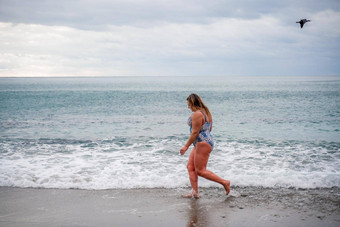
204	134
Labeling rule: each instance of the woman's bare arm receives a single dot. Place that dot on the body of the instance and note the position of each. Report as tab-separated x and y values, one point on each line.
196	120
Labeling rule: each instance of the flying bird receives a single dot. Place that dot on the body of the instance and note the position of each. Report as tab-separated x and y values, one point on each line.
302	22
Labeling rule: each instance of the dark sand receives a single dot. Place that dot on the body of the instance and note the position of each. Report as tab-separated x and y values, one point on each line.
248	206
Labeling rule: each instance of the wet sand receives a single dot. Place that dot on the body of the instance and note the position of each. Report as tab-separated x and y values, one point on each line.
249	206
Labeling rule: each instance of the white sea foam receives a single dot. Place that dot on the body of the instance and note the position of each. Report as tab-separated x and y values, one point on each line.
296	121
155	162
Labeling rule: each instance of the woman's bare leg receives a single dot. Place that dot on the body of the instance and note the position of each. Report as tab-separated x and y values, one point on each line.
192	174
201	160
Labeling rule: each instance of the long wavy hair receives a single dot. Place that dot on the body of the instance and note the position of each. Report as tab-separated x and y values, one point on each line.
197	102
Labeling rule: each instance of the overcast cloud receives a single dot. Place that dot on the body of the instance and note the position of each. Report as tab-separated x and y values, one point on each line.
168	38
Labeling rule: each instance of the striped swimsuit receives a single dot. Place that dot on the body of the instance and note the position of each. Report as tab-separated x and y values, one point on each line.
204	134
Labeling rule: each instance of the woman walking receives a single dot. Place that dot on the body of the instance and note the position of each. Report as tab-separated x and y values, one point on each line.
200	123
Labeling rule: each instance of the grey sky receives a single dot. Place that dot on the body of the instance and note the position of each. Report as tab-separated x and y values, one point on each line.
161	38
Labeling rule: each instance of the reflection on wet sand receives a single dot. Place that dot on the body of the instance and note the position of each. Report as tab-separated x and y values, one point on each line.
196	215
263	206
206	211
199	213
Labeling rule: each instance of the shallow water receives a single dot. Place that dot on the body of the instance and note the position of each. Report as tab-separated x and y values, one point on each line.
99	133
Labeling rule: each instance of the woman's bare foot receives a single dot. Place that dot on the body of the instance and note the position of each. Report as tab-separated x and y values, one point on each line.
226	185
193	194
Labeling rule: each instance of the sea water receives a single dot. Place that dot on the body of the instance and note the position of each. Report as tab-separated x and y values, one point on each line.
126	132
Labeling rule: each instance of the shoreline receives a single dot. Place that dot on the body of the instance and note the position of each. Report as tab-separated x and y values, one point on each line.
246	206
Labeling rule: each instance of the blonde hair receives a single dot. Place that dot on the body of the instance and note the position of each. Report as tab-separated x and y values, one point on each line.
197	102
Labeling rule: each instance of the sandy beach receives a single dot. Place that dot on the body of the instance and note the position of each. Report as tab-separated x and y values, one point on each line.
248	206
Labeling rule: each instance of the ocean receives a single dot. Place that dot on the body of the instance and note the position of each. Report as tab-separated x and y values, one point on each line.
126	132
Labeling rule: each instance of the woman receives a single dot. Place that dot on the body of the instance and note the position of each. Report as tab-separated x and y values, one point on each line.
200	123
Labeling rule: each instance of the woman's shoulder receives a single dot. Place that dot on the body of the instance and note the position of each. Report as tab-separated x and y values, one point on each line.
203	114
198	114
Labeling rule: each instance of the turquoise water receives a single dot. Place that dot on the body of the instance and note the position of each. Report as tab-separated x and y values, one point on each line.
126	132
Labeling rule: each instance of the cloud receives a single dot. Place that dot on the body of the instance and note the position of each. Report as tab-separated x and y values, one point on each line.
93	15
130	38
224	46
